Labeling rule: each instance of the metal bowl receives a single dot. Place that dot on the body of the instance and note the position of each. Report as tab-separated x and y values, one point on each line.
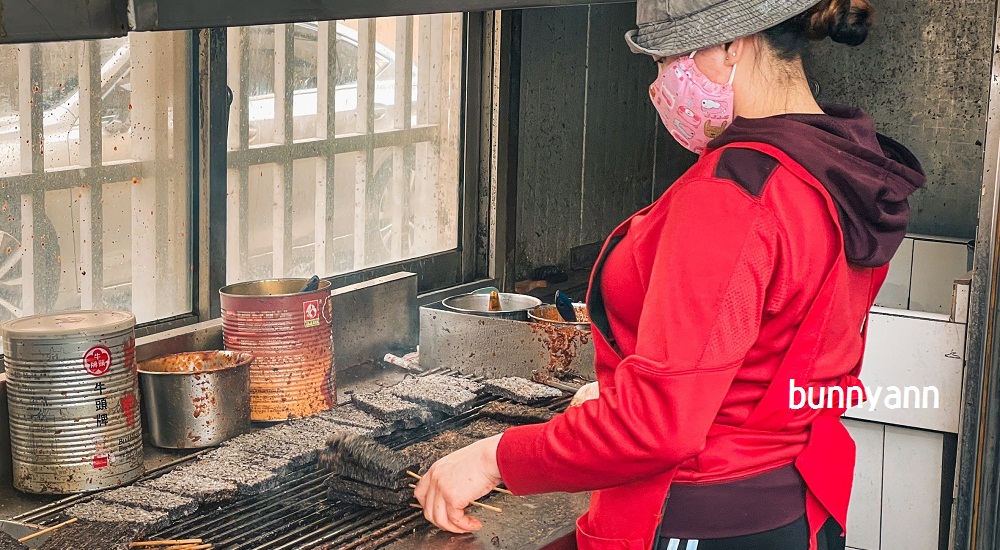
548	314
514	306
197	399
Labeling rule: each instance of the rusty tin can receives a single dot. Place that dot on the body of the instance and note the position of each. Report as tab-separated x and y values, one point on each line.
290	336
73	399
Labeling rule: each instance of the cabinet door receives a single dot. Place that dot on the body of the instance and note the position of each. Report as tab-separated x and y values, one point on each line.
865	511
911	489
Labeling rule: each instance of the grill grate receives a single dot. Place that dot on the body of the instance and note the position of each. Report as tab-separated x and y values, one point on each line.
297	513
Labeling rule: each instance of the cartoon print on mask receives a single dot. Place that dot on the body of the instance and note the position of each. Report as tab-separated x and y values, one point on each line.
689	114
713	107
714	131
688	134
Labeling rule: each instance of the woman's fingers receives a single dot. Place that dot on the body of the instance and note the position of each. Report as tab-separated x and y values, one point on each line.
584	394
453	482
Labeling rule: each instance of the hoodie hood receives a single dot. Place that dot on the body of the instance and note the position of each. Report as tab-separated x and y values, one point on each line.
868	175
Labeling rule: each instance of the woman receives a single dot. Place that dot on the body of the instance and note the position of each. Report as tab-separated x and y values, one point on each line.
753	274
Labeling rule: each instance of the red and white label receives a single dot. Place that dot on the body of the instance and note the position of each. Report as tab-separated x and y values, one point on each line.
310	310
97	360
100	461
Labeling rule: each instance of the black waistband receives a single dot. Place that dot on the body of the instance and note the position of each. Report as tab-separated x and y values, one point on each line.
752	505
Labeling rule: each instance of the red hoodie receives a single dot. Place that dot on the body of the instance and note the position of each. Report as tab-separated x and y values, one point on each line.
756	267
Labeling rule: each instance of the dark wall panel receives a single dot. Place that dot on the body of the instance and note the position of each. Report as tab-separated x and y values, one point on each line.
620	126
550	150
587	131
923	75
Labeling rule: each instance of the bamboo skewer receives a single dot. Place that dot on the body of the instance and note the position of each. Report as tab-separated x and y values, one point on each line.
46	530
168	542
474	503
189	547
497	489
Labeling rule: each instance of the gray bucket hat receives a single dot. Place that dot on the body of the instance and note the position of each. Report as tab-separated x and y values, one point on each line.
673	27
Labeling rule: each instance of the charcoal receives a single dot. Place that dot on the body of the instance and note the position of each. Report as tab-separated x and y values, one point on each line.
515	413
483	427
176	506
249	479
338	486
89	535
276	444
202	489
426	453
440	393
362	459
385	406
103	512
8	542
520	389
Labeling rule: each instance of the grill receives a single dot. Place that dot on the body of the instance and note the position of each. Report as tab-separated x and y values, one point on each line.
297	514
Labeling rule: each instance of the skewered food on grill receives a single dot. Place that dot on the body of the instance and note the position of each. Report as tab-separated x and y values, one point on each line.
515	413
428	452
356	492
349	415
464	383
385	406
323	428
280	466
249	479
176	506
88	535
362	459
104	512
440	393
295	446
8	542
200	488
481	428
520	389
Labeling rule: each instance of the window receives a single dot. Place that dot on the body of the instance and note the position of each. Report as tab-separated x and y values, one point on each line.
95	178
344	144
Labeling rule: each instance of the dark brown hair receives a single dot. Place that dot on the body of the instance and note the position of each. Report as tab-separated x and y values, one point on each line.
844	21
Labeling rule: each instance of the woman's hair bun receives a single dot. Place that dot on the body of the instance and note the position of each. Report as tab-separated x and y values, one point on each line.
844	21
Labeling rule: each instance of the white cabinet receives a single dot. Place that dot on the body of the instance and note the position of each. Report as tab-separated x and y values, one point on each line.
864	516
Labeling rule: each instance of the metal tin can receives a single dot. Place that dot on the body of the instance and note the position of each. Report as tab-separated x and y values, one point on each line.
73	399
290	336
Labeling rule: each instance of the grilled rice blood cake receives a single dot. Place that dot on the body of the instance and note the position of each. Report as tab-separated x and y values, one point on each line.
481	428
249	479
8	542
516	413
324	428
520	389
464	383
145	520
88	535
341	488
362	459
349	415
385	406
428	452
176	506
275	444
440	393
200	488
280	466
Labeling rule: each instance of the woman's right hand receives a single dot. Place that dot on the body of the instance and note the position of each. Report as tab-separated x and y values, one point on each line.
584	394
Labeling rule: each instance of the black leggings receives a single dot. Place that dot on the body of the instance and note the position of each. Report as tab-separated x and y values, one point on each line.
794	536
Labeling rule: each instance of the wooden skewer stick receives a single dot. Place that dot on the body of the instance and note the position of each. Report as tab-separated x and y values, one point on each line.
497	489
189	547
474	503
168	542
46	530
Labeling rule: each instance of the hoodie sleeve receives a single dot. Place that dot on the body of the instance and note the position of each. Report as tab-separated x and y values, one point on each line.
712	263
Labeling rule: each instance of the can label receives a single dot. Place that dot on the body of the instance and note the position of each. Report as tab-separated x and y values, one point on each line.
100	461
310	311
97	360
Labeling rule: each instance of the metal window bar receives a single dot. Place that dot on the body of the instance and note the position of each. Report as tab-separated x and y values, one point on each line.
238	228
90	272
366	127
402	157
326	98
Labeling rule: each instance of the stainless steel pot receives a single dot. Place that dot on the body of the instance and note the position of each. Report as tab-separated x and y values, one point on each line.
514	306
198	399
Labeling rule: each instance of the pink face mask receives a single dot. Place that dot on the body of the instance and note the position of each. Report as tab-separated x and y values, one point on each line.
694	109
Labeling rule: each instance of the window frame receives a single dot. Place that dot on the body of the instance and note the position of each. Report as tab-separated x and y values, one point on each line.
436	271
